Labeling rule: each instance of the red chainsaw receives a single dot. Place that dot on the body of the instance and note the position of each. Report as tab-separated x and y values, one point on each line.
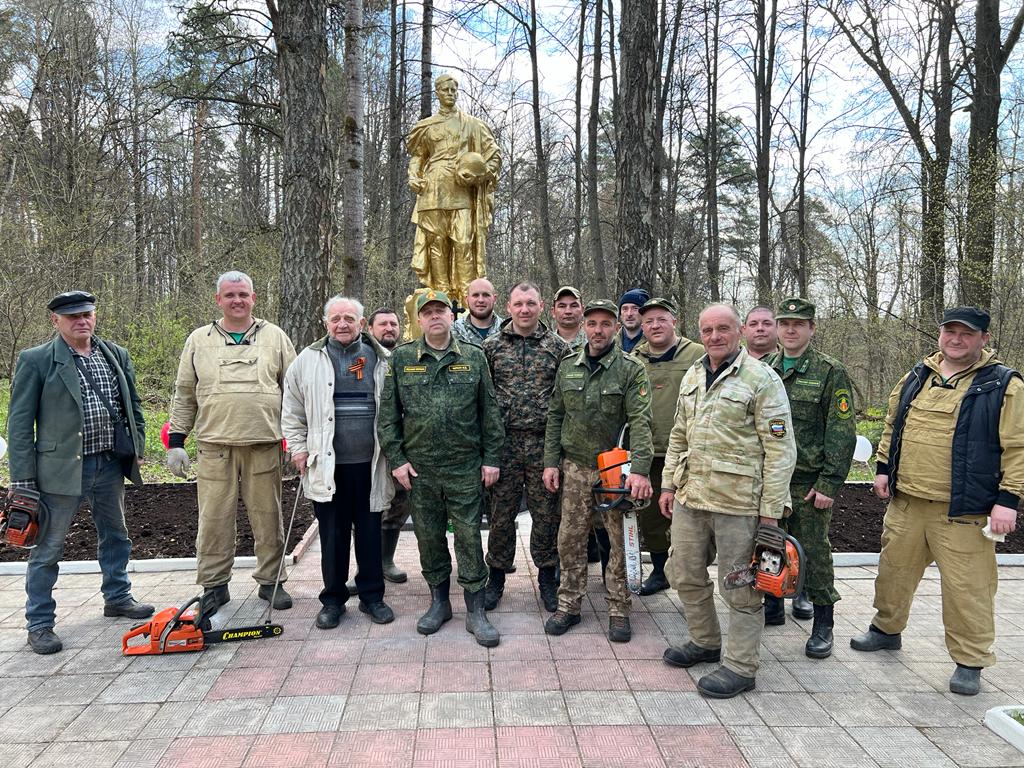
19	518
777	567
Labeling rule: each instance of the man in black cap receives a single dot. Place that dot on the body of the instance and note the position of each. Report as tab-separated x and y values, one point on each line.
70	398
629	316
951	461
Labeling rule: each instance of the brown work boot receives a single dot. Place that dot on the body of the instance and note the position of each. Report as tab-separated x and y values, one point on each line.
619	630
560	623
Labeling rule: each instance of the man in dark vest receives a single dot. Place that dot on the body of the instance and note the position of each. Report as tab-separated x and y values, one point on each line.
951	459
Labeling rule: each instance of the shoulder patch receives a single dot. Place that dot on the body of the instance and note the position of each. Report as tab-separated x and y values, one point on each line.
777	428
844	403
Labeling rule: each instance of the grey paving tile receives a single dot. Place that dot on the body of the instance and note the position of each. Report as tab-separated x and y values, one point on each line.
975	747
168	720
735	711
380	711
28	664
147	687
887	676
523	708
27	724
977	706
824	676
864	708
675	708
603	708
15	689
19	755
230	717
899	747
774	676
304	714
195	684
71	689
456	710
760	747
109	722
824	747
923	709
82	754
788	709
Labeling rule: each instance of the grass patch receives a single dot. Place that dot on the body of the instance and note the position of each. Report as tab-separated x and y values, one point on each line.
1017	715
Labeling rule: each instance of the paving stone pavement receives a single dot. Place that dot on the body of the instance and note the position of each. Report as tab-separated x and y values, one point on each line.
382	695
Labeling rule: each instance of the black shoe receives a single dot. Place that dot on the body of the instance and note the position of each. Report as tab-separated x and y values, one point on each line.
774	611
211	601
593	555
876	640
723	683
619	630
691	654
548	588
44	641
476	619
282	600
819	644
388	545
495	588
329	616
559	623
802	607
965	680
656	582
130	608
439	612
379	612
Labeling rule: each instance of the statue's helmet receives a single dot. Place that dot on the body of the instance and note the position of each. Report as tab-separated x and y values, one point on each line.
471	170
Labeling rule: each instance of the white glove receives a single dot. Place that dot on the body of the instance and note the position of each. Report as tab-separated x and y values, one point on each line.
177	462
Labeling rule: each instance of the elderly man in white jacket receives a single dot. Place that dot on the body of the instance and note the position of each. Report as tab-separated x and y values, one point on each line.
329	419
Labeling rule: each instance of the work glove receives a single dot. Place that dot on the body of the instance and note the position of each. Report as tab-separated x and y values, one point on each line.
177	462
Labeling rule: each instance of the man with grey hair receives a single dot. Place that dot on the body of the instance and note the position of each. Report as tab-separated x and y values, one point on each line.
228	392
329	419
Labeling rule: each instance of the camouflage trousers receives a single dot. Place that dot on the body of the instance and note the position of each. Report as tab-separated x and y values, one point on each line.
809	526
577	513
394	517
440	495
522	464
654	526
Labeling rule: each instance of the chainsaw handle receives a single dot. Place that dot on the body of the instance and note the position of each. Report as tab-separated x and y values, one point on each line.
139	630
175	621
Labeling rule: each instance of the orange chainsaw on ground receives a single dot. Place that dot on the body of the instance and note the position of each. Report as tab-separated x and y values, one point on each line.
777	567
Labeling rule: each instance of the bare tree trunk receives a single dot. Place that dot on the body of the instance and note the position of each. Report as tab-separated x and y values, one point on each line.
300	31
395	99
593	203
802	276
764	77
202	108
577	220
542	160
353	264
712	15
426	54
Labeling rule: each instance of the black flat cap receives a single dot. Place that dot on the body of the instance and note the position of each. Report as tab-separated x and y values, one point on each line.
972	317
72	302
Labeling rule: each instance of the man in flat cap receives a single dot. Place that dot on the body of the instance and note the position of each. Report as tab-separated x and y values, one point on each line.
597	392
441	429
825	428
73	398
951	462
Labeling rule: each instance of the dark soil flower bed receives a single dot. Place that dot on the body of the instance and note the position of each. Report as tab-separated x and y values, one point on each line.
162	523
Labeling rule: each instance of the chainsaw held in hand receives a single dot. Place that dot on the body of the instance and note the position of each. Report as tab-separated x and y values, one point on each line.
19	518
610	493
777	567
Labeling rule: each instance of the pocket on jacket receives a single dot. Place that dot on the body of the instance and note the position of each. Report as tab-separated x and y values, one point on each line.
238	371
46	447
265	458
732	485
212	463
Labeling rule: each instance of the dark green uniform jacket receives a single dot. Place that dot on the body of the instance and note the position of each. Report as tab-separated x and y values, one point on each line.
821	399
44	423
439	410
587	410
665	378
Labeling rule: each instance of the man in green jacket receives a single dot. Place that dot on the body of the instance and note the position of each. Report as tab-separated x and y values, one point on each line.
597	391
441	430
69	396
821	400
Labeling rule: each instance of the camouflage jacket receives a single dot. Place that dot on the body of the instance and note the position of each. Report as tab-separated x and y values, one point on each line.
462	331
731	449
438	409
821	399
523	369
587	410
665	378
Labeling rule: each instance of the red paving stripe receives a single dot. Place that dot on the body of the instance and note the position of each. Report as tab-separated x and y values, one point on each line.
207	752
284	750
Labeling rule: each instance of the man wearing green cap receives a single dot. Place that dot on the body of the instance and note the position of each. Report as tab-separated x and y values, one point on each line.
666	357
441	430
821	400
597	391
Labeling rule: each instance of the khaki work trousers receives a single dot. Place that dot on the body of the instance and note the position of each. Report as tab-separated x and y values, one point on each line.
695	536
223	471
917	532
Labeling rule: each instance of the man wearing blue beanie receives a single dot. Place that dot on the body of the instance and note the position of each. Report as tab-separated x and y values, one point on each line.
629	315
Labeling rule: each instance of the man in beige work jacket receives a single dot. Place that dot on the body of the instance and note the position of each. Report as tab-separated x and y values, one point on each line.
730	456
228	391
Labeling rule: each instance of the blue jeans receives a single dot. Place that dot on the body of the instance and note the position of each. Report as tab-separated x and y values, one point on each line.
103	486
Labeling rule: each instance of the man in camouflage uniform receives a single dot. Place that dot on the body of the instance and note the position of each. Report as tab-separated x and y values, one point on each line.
727	467
597	391
480	321
523	358
567	312
440	427
821	400
666	356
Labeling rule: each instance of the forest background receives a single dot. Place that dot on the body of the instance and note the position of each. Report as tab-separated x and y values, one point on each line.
866	154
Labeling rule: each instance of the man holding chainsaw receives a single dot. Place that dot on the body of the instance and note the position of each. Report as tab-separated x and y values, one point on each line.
730	455
597	392
70	398
951	461
666	356
821	399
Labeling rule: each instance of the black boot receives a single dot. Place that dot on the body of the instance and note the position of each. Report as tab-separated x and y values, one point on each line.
593	555
548	588
388	545
604	549
495	588
656	582
439	612
774	611
476	620
819	644
802	607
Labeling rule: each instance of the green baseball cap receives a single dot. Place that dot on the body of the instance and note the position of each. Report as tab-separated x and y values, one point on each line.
795	308
660	303
428	296
601	305
568	289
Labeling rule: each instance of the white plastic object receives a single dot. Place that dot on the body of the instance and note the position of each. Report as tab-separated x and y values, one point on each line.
3	447
863	450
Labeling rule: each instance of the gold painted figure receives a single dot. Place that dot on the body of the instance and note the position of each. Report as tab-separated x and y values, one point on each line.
453	168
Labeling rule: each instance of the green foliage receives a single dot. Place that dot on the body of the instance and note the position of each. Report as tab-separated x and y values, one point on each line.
155	341
1017	715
